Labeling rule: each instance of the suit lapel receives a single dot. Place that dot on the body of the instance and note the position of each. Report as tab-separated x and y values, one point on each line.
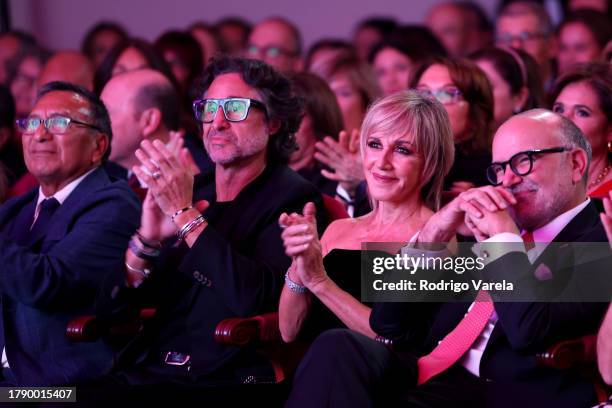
585	221
59	223
17	215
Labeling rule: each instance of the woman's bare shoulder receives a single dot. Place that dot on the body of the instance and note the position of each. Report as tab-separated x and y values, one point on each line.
342	233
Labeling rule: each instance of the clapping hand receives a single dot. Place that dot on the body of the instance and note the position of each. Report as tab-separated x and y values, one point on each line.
301	242
343	158
177	141
168	175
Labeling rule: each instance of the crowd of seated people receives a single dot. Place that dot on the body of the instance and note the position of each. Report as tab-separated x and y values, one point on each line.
191	176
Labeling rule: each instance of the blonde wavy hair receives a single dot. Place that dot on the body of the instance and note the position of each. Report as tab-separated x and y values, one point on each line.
426	120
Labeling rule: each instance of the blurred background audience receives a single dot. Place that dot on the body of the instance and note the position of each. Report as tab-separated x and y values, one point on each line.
584	95
465	92
100	39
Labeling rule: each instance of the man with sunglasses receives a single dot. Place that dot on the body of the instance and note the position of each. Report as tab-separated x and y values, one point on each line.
482	353
211	249
59	241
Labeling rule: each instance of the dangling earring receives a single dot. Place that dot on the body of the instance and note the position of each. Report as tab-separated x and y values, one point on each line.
610	146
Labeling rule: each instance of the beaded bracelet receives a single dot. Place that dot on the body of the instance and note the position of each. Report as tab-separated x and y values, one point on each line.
190	226
149	243
144	252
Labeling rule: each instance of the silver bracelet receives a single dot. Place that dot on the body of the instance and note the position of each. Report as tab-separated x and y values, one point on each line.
145	272
294	287
190	226
182	210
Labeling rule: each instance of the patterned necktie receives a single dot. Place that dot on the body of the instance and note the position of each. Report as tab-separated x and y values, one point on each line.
527	237
47	207
458	341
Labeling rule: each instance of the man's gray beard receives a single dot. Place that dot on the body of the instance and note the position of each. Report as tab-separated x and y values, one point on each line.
541	217
230	138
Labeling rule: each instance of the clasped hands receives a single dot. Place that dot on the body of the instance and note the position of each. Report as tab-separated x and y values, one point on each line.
301	241
481	212
168	173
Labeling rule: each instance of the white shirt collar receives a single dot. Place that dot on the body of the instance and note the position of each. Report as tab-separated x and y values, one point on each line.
548	232
62	194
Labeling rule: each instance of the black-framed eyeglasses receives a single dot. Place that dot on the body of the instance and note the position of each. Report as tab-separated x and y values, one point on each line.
520	163
234	109
57	125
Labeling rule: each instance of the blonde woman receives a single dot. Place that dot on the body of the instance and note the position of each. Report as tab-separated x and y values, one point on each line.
406	146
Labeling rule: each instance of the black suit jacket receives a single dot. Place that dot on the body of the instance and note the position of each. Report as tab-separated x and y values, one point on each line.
522	329
235	268
45	285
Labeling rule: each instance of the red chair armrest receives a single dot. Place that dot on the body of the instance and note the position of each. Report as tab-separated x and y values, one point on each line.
84	329
570	353
91	328
241	332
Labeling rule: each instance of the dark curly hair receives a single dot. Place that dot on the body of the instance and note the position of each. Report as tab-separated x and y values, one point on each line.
276	92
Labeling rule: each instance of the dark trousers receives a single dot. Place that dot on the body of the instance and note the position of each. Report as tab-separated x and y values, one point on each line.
346	369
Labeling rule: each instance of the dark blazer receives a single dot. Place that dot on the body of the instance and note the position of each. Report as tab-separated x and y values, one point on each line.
235	268
522	329
45	285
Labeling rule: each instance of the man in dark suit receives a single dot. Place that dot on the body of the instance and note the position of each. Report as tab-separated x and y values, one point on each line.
481	354
230	259
58	242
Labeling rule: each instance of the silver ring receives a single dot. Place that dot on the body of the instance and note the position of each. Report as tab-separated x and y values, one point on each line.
156	175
